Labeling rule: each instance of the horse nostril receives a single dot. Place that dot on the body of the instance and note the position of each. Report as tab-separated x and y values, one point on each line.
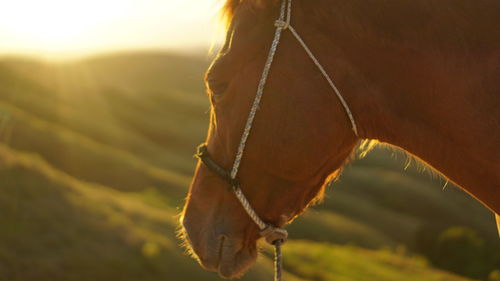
222	238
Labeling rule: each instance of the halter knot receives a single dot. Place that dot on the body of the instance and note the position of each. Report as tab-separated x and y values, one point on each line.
274	234
281	24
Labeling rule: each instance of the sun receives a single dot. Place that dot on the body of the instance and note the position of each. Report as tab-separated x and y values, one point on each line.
58	24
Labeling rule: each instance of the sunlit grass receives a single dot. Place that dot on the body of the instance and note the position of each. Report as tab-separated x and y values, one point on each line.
133	233
98	159
327	226
91	230
321	261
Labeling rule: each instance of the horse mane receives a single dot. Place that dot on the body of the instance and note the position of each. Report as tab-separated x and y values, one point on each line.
227	10
449	24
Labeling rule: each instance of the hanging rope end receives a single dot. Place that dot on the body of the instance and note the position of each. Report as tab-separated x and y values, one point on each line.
278	262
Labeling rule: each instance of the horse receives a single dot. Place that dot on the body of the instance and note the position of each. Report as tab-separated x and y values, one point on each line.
423	76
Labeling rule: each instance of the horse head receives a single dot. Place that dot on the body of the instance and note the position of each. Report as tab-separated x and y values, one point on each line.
300	139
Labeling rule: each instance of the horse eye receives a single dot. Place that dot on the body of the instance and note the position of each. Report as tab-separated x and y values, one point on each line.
216	88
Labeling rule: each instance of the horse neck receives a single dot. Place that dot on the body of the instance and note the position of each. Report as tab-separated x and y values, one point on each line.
429	99
432	106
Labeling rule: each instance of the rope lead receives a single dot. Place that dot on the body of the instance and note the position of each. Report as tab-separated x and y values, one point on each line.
275	236
277	260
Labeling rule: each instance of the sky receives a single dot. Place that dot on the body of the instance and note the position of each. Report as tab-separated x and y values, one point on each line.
68	27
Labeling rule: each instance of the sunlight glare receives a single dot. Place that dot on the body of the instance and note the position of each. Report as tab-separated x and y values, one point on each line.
57	24
66	25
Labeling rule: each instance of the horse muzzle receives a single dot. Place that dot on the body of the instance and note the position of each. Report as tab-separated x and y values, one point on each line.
231	257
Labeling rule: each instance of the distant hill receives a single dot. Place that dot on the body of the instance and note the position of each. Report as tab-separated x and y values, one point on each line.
95	159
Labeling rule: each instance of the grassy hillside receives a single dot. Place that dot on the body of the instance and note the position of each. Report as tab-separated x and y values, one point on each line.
56	227
317	261
95	158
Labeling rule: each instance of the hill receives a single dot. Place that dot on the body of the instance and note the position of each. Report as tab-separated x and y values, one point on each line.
95	159
56	227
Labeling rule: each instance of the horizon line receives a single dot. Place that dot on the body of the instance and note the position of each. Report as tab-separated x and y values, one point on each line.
69	56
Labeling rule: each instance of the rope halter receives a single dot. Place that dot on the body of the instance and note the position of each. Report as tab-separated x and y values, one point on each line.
273	235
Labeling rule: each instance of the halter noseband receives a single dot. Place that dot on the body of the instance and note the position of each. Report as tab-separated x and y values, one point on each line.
202	154
273	235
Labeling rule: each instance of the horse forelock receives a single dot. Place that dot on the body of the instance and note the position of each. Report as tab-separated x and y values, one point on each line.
227	11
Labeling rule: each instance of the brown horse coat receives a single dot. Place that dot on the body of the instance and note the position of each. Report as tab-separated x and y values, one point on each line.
420	75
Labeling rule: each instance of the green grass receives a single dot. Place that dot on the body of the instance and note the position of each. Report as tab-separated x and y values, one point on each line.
321	261
96	157
74	230
332	227
76	154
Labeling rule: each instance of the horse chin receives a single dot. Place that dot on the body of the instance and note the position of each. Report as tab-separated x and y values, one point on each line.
231	261
231	255
234	266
